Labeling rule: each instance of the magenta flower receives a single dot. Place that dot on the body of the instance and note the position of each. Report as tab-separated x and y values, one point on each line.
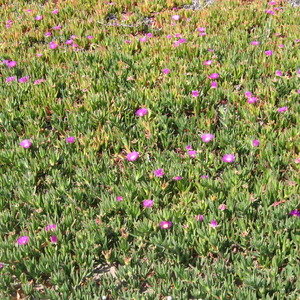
213	224
207	137
12	78
127	41
159	173
48	34
53	239
1	265
23	240
39	54
229	158
24	79
70	139
38	18
188	147
141	112
248	94
278	73
202	33
255	143
25	144
204	176
119	198
53	45
69	42
214	76
165	224
148	203
255	43
282	109
90	37
11	64
214	85
73	37
50	227
252	100
39	81
57	27
143	39
55	11
199	218
192	153
201	29
176	17
177	178
269	52
195	93
169	36
222	207
166	71
150	35
132	156
269	11
208	62
272	2
295	213
177	35
281	46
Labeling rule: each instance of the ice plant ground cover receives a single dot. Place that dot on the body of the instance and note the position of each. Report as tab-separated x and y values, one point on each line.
166	152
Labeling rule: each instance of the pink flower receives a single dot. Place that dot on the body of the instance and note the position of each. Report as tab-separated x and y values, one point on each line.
208	62
69	42
214	85
90	37
272	2
269	52
165	224
199	218
11	64
53	239
55	11
207	137
176	17
229	158
166	71
127	41
255	43
148	203
201	29
57	27
214	76
25	144
70	139
159	173
248	94
195	93
202	34
23	240
149	35
48	34
141	112
1	265
269	11
282	109
255	143
39	54
53	45
281	46
38	18
177	35
12	78
204	176
192	153
132	156
50	227
39	81
177	178
143	39
188	147
24	79
252	100
213	224
278	73
222	207
119	198
169	36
